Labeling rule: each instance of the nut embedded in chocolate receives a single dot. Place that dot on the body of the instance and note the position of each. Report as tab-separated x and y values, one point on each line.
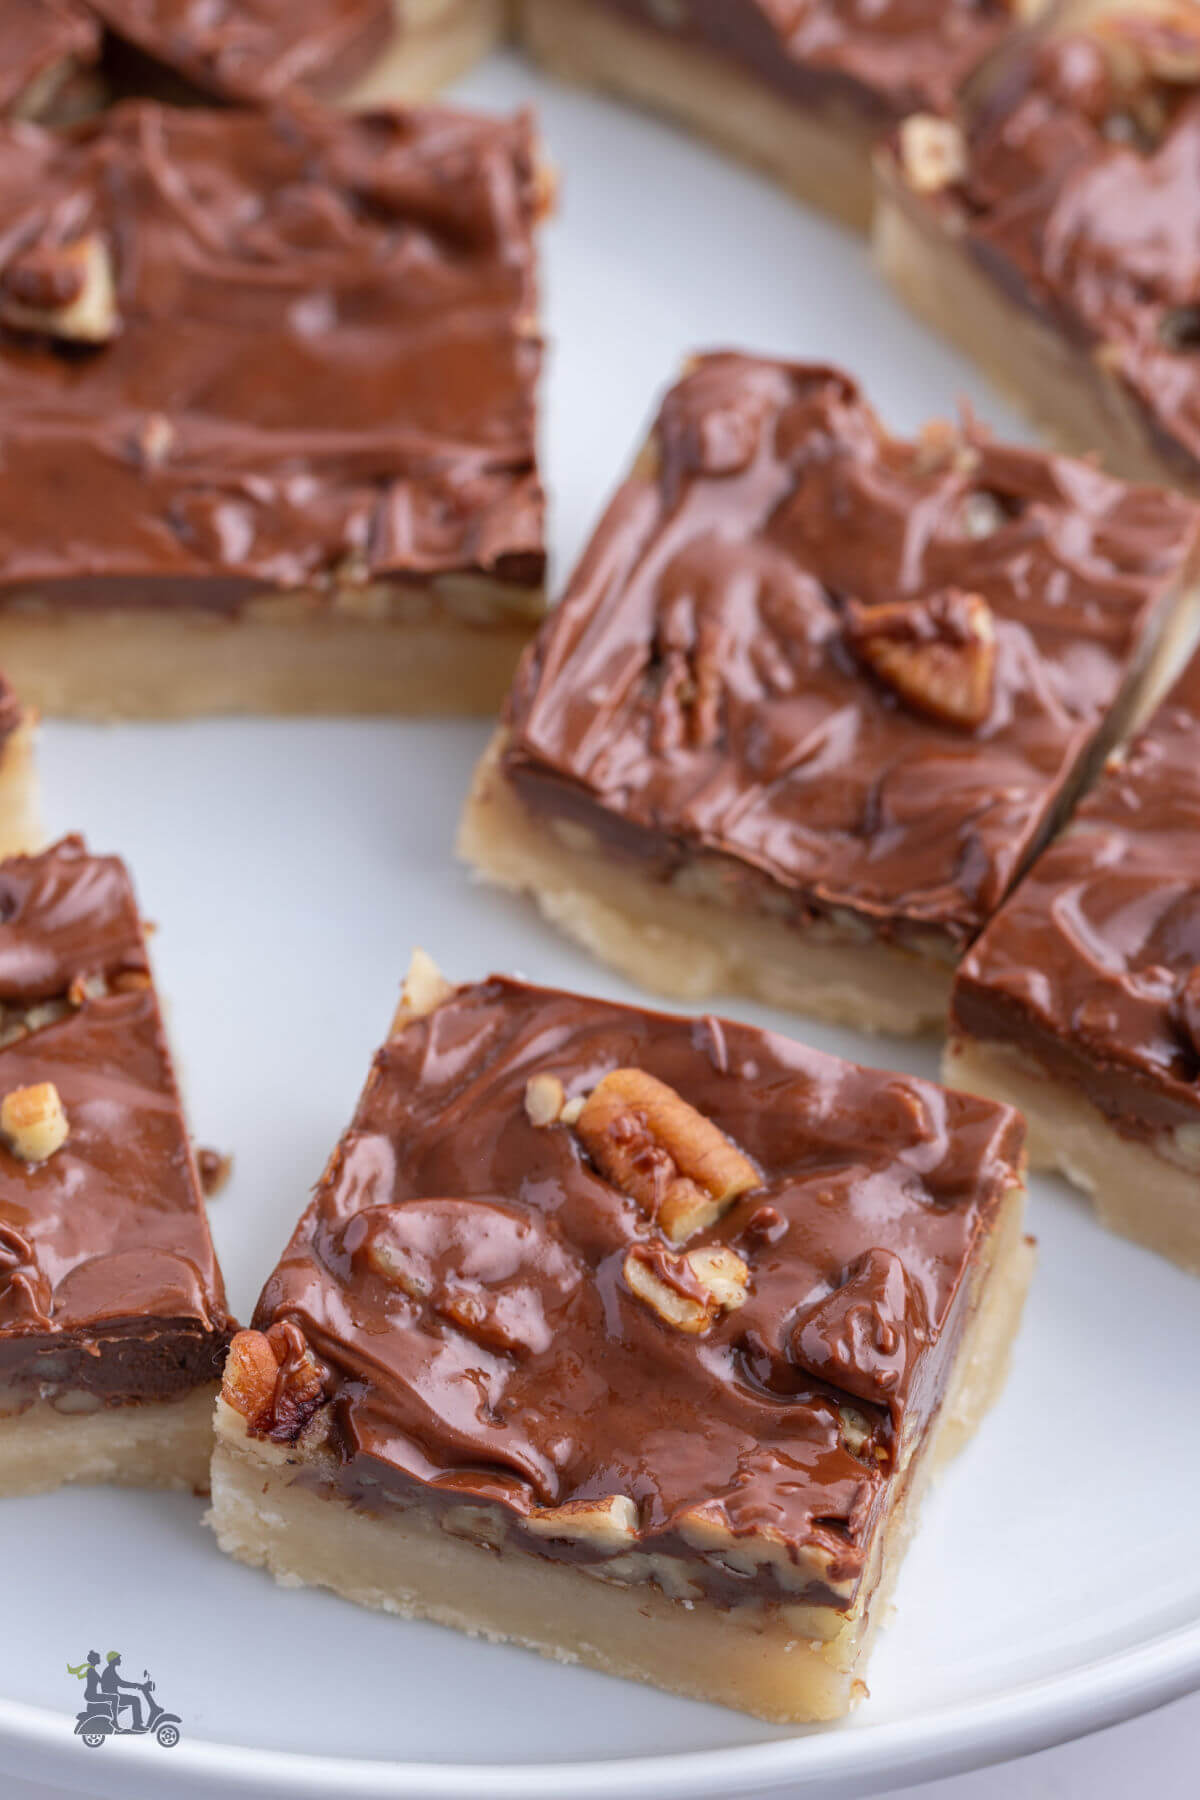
682	1171
937	654
273	1380
687	1291
34	1122
66	290
608	1524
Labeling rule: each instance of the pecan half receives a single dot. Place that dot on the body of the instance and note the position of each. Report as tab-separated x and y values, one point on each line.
682	1171
65	290
34	1121
690	1290
938	654
273	1379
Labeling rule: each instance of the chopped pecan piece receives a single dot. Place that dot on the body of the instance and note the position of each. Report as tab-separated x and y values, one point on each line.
425	987
679	1167
544	1099
937	654
687	1291
34	1122
65	290
273	1379
607	1524
933	153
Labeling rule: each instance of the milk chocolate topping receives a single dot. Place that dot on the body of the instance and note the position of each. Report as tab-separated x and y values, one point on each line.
255	50
701	691
1093	966
460	1275
1081	198
883	59
322	364
41	38
108	1281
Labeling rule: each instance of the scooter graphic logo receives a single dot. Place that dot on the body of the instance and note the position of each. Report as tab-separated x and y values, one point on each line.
114	1707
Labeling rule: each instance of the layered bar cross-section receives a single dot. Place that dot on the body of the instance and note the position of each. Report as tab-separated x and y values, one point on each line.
815	695
1053	230
267	386
113	1324
803	89
629	1338
1081	1001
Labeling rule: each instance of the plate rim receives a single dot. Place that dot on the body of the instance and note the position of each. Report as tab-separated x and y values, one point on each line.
995	1728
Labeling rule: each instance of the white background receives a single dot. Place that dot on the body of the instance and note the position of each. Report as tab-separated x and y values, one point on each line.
292	866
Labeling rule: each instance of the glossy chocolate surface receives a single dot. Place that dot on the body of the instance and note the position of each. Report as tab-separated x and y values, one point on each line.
39	38
324	366
108	1281
883	60
1093	965
1081	198
255	50
697	697
515	1366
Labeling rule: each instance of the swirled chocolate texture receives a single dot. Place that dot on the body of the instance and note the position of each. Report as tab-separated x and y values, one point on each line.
321	367
1092	968
254	51
108	1281
44	40
880	61
1080	199
460	1276
703	693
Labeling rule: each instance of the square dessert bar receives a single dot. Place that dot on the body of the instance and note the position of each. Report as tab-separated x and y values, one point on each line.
1052	231
255	51
802	87
267	390
815	695
47	43
113	1324
632	1339
1081	1001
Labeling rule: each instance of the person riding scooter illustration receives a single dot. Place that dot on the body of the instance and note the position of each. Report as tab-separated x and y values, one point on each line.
108	1696
122	1692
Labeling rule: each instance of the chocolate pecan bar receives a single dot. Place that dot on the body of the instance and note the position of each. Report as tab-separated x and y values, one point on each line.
253	54
113	1323
802	87
1081	1001
267	388
815	695
632	1339
1053	231
47	44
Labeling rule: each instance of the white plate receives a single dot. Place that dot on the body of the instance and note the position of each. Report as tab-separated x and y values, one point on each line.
1055	1585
